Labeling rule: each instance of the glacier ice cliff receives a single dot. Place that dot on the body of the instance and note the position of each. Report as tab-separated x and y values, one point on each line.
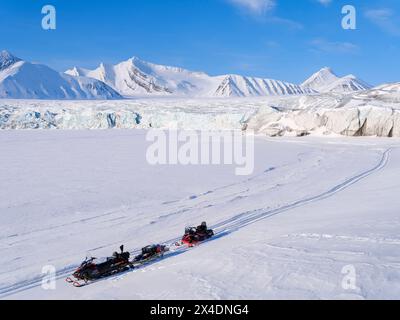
375	112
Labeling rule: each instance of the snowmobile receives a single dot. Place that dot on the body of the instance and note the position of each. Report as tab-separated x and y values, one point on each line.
150	253
194	236
93	269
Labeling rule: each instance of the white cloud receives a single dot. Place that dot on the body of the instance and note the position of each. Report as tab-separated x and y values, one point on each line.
322	45
385	19
291	24
325	2
379	14
258	7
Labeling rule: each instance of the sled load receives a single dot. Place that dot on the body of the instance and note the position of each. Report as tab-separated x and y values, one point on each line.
93	269
195	235
150	253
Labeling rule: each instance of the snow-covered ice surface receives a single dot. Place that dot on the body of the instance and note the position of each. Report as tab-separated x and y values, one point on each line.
312	207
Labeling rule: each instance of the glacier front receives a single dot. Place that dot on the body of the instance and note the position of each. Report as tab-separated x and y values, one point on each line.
375	112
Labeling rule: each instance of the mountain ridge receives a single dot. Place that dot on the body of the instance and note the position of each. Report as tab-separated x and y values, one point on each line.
20	79
135	77
325	81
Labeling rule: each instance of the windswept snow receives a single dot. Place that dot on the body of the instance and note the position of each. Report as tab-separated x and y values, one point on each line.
281	233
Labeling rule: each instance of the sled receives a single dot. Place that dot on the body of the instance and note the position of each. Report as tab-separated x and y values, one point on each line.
149	254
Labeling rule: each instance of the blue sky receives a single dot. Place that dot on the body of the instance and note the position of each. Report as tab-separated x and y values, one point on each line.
282	39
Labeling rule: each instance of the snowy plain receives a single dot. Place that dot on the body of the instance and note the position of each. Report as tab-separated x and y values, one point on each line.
312	207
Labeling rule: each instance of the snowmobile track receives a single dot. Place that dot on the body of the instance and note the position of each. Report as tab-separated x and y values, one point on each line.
225	227
244	219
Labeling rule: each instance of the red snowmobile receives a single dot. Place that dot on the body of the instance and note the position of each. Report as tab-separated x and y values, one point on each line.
93	269
194	236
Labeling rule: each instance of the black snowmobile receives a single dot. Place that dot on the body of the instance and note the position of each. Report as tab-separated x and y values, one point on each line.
93	269
195	235
150	253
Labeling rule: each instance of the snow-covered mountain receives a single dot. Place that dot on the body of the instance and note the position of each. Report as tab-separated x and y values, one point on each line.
136	77
239	86
7	59
326	80
320	79
24	80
